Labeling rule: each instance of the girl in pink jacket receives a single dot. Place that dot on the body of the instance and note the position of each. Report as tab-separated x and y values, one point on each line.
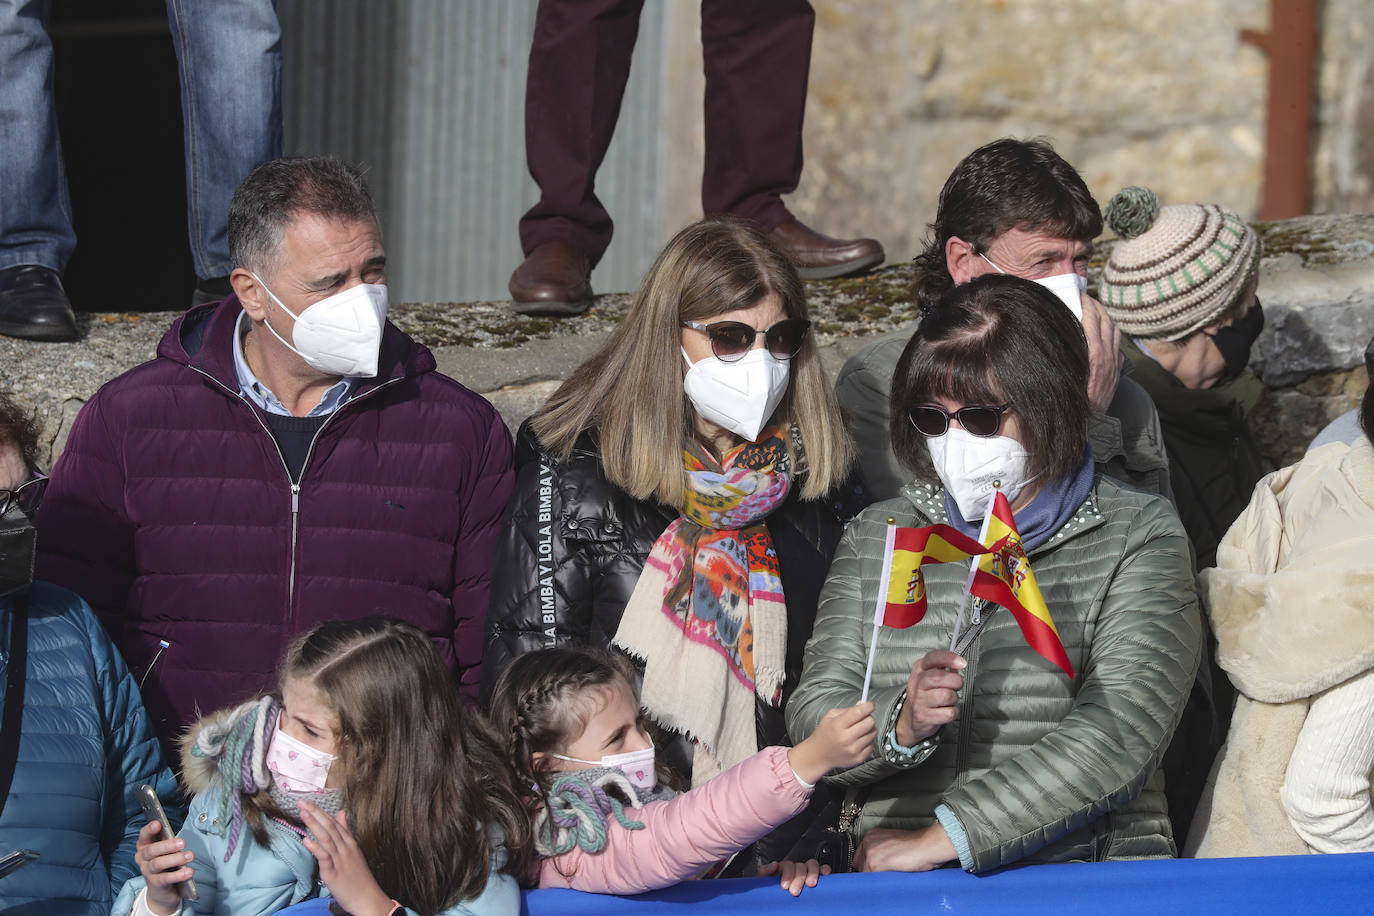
603	821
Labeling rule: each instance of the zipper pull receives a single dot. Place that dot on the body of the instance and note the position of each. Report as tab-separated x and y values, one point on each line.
295	498
162	646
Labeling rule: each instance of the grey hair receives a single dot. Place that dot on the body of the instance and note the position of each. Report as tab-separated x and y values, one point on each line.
277	191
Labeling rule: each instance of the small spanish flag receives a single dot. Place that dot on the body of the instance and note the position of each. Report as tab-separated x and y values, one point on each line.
1004	576
911	549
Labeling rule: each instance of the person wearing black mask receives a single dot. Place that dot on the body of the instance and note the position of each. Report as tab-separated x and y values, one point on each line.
68	778
1180	284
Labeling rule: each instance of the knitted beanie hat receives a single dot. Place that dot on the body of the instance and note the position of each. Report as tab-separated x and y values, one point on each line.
1176	269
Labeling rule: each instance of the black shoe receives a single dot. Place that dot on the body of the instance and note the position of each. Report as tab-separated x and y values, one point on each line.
33	304
211	290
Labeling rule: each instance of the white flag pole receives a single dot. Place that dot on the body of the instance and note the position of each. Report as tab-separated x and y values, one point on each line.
972	571
880	605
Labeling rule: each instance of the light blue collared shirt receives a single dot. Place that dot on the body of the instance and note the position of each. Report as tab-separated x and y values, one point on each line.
249	386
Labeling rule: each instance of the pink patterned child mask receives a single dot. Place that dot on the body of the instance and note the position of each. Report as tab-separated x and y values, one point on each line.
295	765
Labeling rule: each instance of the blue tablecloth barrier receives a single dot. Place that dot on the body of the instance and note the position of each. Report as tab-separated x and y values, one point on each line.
1288	884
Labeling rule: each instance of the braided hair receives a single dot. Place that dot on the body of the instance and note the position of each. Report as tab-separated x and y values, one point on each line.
544	699
541	703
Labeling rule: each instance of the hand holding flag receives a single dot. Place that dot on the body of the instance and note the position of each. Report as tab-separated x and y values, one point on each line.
1002	575
903	601
932	696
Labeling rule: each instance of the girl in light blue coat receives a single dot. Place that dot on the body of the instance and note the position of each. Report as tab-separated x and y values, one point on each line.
364	779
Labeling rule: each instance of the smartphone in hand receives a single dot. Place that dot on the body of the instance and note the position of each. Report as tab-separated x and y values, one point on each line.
152	809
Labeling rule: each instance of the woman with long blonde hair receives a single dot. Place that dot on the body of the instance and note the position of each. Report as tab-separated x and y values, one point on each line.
680	496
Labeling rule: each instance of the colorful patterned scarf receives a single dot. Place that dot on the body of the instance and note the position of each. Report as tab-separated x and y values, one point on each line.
707	616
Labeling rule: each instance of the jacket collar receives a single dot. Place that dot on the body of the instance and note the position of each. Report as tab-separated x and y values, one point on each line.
929	500
203	339
1201	409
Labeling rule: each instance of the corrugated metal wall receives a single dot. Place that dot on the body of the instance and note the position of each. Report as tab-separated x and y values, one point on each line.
429	94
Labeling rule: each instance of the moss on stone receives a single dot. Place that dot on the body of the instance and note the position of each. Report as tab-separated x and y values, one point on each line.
1284	238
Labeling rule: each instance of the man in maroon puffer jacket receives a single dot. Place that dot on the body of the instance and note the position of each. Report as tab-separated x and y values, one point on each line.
289	457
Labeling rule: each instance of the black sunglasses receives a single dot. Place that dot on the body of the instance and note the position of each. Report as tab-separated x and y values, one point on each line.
27	495
980	420
730	340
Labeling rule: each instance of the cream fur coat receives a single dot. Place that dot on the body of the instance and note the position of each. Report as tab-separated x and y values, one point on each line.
1292	605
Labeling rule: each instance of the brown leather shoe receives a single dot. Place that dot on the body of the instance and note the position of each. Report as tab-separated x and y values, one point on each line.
819	257
554	280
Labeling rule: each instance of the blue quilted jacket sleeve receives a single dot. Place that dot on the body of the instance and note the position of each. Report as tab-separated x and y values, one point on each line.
132	755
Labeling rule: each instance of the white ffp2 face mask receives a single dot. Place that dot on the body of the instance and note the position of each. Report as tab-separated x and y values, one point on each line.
972	467
341	334
1068	288
638	766
740	396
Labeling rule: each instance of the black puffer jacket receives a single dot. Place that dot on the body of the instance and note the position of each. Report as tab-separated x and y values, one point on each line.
573	545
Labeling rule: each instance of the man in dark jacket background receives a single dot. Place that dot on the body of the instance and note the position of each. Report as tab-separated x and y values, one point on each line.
1012	206
289	457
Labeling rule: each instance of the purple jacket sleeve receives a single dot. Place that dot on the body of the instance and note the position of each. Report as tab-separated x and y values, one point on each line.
685	835
487	488
85	539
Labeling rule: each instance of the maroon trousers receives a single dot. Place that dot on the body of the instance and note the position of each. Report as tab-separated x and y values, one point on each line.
757	55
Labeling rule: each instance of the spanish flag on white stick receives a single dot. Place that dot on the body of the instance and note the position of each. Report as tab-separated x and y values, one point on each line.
1004	577
901	598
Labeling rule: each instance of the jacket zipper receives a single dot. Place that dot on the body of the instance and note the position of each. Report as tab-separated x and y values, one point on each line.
1102	841
295	487
965	740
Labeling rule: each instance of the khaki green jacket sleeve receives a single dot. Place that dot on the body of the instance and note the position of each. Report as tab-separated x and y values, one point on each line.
864	389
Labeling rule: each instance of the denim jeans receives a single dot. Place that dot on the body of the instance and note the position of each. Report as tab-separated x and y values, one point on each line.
229	58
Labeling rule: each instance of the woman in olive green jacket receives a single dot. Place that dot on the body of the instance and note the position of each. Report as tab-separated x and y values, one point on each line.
996	756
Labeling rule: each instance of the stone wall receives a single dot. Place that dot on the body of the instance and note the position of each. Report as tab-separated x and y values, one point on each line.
1316	282
1343	155
1155	92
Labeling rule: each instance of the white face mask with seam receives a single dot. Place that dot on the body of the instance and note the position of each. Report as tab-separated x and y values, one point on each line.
638	766
1068	288
341	334
741	395
971	467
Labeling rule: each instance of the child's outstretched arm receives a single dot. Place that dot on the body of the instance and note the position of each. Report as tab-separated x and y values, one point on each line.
844	738
683	836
